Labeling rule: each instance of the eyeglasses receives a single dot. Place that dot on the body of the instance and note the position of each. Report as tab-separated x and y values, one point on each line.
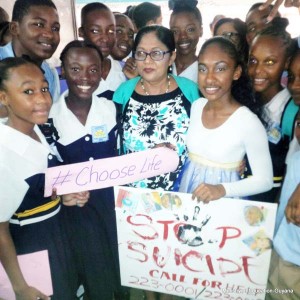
231	35
155	54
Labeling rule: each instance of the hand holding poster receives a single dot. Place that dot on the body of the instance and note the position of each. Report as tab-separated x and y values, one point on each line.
112	171
171	244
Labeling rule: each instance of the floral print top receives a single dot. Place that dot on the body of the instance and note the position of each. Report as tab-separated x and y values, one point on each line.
151	120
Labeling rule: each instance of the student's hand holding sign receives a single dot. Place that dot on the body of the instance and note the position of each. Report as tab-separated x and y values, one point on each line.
78	199
208	192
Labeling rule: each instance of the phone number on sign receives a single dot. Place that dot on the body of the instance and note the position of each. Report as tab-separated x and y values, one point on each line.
180	290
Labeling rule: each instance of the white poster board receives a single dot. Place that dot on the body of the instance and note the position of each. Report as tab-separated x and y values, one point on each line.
171	244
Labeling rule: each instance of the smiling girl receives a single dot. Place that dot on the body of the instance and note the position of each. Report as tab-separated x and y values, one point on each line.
269	56
223	129
86	126
186	25
30	222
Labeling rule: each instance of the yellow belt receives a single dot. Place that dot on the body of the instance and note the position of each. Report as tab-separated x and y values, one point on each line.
203	161
38	209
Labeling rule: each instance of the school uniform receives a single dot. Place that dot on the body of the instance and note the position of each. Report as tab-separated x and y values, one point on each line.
285	262
114	78
191	72
278	115
91	229
293	148
34	219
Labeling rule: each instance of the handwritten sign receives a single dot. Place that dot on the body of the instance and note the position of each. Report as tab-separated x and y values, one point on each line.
171	244
107	172
36	270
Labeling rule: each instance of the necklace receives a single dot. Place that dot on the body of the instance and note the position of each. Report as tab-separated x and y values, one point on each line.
147	94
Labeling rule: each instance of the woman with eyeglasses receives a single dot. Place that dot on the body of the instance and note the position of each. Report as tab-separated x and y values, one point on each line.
156	104
234	30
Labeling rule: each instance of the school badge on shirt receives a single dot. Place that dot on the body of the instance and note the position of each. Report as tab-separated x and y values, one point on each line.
99	134
274	133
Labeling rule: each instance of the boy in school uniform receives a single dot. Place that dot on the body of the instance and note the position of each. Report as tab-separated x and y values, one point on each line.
35	33
98	27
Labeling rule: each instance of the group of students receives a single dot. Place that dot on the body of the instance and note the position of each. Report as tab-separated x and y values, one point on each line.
215	111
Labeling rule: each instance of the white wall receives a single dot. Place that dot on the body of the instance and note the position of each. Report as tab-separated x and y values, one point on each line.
208	8
66	22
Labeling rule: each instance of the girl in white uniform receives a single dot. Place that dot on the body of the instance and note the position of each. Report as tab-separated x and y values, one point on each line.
269	55
86	126
30	222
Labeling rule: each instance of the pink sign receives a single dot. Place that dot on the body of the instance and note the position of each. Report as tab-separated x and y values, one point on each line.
108	172
36	270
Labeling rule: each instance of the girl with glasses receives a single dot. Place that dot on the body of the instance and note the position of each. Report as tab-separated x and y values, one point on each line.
235	30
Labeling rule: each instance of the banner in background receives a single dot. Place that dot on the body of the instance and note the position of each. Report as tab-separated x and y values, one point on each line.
171	244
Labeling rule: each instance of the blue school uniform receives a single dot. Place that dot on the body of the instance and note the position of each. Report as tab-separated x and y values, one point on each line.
279	118
34	219
92	228
287	235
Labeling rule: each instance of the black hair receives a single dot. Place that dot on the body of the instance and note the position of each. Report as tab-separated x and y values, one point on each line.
4	17
165	35
78	44
10	63
90	8
189	6
21	7
4	29
122	15
145	12
129	11
295	53
241	89
238	25
277	29
241	29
